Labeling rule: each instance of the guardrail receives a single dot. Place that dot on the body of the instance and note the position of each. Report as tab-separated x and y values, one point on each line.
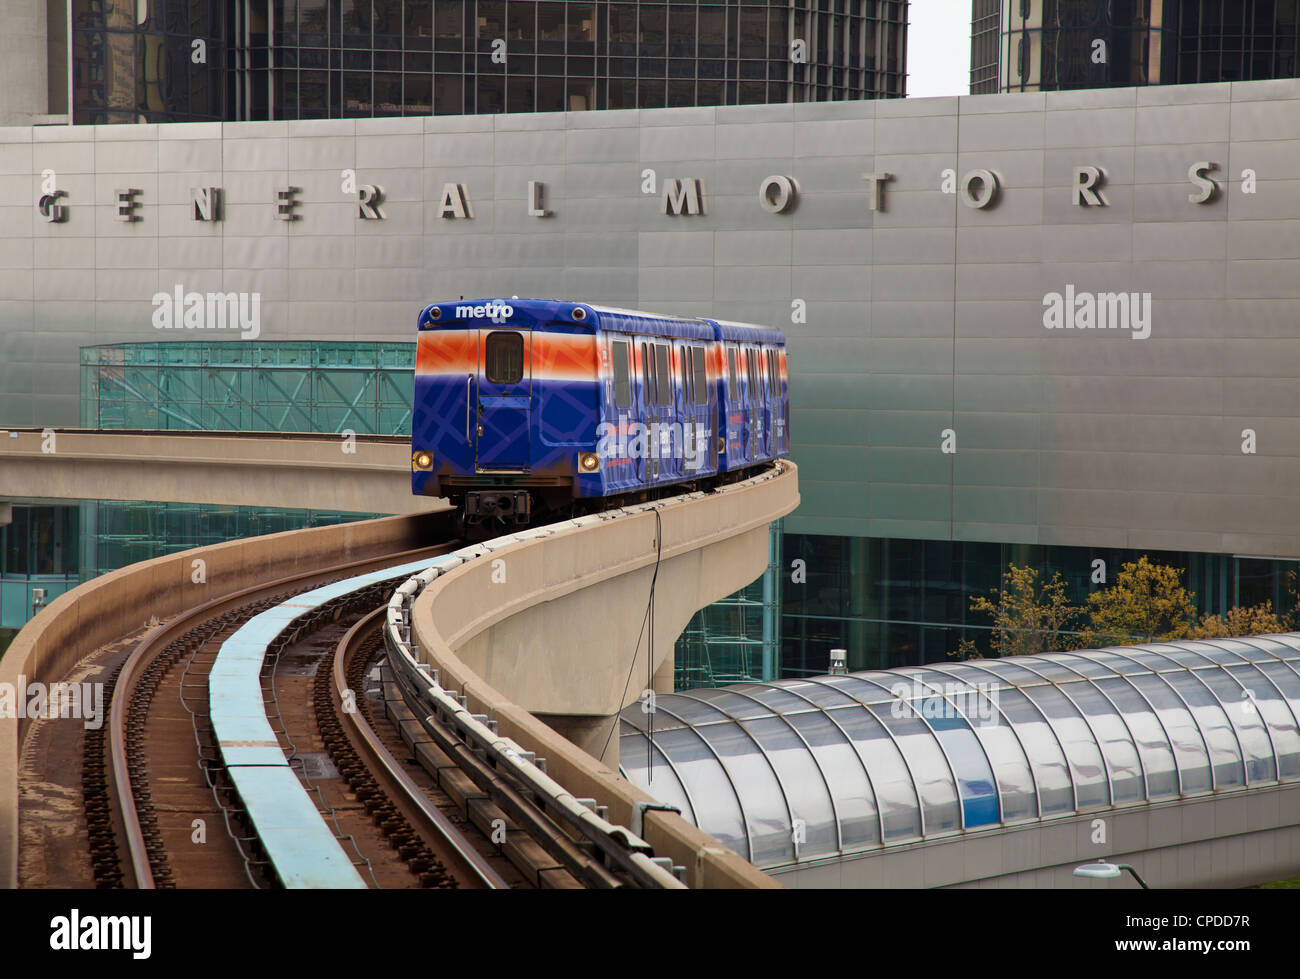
684	853
620	846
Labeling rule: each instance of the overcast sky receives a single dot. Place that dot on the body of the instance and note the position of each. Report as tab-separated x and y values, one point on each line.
938	48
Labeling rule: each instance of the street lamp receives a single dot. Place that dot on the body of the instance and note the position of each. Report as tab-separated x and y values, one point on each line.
1102	870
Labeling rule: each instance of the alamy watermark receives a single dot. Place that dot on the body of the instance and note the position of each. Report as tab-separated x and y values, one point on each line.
1098	311
179	309
81	701
77	932
658	440
978	701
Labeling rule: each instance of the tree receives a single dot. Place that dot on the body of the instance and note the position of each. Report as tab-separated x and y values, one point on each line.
1147	603
1257	620
1027	617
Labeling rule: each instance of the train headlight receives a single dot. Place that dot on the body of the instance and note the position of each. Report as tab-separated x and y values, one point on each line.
422	460
588	462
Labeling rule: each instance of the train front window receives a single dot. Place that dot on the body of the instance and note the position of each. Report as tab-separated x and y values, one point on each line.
622	377
503	358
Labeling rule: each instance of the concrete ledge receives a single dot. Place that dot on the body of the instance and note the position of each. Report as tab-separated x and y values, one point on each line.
540	629
310	473
120	603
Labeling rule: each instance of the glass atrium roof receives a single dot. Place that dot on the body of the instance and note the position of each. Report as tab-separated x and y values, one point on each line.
812	768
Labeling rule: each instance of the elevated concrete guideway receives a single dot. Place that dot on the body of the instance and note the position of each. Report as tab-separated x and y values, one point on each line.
365	474
556	621
542	624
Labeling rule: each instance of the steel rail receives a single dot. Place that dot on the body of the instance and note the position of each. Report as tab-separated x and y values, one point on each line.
399	786
127	815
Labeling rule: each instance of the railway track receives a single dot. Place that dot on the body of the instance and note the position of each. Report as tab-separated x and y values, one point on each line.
157	774
394	782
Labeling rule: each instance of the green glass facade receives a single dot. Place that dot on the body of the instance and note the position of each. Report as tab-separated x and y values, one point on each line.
892	602
738	639
38	550
249	386
57	546
114	534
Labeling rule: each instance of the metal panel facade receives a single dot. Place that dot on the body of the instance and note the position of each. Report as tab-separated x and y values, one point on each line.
923	316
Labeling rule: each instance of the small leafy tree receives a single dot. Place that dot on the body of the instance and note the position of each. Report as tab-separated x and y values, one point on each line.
1147	603
1028	617
1256	620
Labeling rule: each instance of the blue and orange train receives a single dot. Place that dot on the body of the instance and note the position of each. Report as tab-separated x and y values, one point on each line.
529	409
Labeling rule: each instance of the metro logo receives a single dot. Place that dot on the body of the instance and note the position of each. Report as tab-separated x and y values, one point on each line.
493	311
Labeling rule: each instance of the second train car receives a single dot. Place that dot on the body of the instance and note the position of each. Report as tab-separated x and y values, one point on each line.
528	409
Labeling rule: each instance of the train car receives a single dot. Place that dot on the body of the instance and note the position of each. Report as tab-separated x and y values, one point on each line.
529	408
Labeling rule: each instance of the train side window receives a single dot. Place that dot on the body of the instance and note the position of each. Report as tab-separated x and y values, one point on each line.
683	354
701	381
752	375
622	378
503	358
663	376
647	377
732	384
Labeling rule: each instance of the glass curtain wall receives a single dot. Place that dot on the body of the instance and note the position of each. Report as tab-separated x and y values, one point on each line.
149	61
335	59
737	639
249	386
894	603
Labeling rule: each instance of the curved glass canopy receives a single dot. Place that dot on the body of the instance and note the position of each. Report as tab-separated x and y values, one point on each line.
812	768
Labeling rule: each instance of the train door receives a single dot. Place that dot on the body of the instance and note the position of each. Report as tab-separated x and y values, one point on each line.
622	410
776	399
700	446
783	383
503	397
661	413
735	419
683	427
753	406
646	449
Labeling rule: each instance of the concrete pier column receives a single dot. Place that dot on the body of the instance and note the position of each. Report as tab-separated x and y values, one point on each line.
596	736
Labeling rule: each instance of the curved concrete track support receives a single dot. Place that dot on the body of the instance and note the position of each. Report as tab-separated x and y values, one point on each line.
319	472
121	603
549	624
